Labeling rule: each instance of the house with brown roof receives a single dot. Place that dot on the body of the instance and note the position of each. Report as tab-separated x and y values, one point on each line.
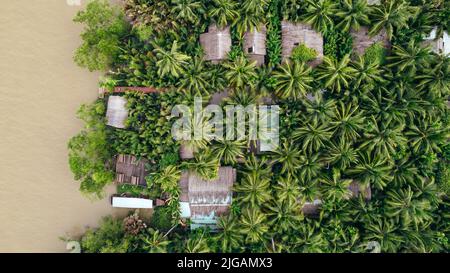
294	34
362	40
254	45
204	201
130	170
116	112
216	43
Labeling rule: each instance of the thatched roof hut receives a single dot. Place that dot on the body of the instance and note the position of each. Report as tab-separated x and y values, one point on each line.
116	113
130	170
216	43
294	34
362	40
255	45
203	201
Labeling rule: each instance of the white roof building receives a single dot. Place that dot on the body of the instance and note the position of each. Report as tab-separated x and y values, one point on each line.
131	202
117	113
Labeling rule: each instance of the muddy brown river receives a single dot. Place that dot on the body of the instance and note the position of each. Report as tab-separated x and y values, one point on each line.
40	91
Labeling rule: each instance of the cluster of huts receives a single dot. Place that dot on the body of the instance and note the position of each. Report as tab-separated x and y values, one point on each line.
203	201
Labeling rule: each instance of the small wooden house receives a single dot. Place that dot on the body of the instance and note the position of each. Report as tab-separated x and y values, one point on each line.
204	201
116	113
294	34
255	45
130	170
362	40
216	43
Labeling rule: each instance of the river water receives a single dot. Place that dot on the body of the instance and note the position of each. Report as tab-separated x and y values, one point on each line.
40	90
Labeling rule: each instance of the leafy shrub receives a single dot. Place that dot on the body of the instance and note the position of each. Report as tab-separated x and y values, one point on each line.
105	26
169	159
108	238
274	34
303	53
337	44
90	150
161	218
375	53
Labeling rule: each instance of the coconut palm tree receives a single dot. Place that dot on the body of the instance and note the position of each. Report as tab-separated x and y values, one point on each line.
313	135
347	121
223	12
244	96
384	139
228	151
154	242
229	237
335	188
195	78
436	76
335	74
253	225
319	108
309	239
402	204
167	178
385	232
341	154
404	172
252	15
253	190
287	189
367	75
353	14
197	244
170	62
426	136
288	156
240	72
293	80
188	10
372	169
320	13
392	14
257	166
204	164
409	59
283	216
310	166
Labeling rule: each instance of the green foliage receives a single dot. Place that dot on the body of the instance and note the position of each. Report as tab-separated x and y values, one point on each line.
105	26
149	125
89	151
378	122
274	33
337	44
162	218
302	53
108	238
375	53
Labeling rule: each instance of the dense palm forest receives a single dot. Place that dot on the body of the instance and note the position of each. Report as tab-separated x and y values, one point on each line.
380	118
